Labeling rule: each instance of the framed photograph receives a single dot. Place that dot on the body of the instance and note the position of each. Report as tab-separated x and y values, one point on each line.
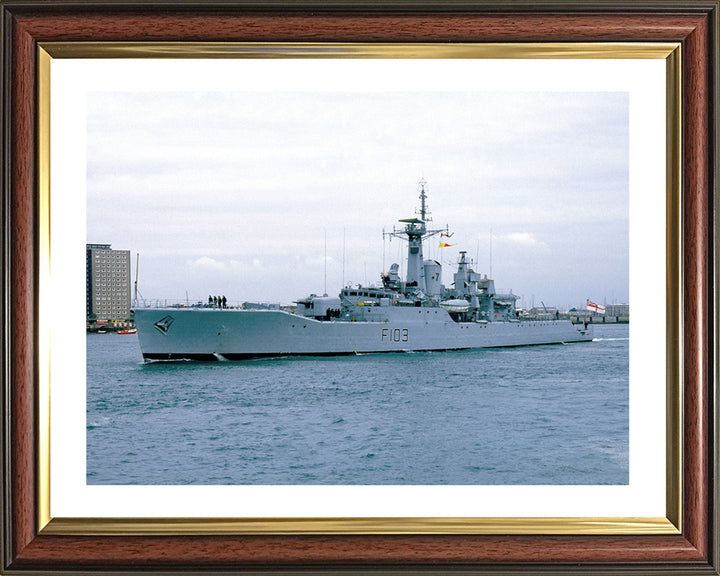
257	200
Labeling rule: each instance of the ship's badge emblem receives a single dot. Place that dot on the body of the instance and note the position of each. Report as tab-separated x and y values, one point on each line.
164	324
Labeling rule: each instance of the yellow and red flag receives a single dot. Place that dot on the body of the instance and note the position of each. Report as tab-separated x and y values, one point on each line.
445	245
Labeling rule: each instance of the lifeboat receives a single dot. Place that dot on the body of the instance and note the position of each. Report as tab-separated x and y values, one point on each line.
455	305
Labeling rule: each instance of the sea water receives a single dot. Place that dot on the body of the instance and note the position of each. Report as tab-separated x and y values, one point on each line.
555	414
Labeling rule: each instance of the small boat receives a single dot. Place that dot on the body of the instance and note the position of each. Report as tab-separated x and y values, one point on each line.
128	331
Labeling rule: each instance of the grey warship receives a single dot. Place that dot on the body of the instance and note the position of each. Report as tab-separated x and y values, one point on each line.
418	313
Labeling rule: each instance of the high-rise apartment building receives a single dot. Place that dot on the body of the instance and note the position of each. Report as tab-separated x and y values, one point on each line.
107	282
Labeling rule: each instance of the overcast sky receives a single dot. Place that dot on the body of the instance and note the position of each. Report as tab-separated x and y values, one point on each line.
234	193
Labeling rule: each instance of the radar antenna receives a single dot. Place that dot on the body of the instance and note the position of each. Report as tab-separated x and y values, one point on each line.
424	212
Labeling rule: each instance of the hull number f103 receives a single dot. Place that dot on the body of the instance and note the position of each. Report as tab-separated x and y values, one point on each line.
394	335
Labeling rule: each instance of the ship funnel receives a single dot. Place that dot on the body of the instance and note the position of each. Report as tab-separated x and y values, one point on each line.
433	277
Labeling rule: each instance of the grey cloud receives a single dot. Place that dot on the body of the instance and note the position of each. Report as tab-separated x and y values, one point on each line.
237	177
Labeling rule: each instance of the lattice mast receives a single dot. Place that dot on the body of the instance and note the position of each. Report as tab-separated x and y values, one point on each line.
415	231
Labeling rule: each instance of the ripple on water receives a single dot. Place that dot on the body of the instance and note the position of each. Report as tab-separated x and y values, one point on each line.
536	415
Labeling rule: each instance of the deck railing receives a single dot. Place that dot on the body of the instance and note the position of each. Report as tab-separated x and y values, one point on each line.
184	303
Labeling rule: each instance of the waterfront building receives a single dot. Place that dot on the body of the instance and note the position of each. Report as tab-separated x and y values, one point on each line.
107	283
614	314
618	310
544	313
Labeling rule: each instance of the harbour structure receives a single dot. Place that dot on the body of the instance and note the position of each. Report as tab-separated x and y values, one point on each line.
418	313
612	314
107	282
618	310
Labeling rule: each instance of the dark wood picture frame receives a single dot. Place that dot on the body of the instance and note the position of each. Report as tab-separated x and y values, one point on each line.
27	24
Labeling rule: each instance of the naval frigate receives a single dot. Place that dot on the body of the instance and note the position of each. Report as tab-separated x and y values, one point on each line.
418	313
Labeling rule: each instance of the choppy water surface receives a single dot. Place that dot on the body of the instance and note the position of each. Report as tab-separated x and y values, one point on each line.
534	415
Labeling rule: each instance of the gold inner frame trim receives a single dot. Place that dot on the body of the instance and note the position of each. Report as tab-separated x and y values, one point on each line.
436	525
44	363
289	526
555	50
674	307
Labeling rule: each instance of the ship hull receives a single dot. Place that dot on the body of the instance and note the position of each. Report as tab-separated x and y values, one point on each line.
213	334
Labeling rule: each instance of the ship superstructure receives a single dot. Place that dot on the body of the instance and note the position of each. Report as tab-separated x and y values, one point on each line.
418	313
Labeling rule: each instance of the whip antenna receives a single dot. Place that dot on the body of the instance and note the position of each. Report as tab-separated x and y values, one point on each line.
325	262
137	268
